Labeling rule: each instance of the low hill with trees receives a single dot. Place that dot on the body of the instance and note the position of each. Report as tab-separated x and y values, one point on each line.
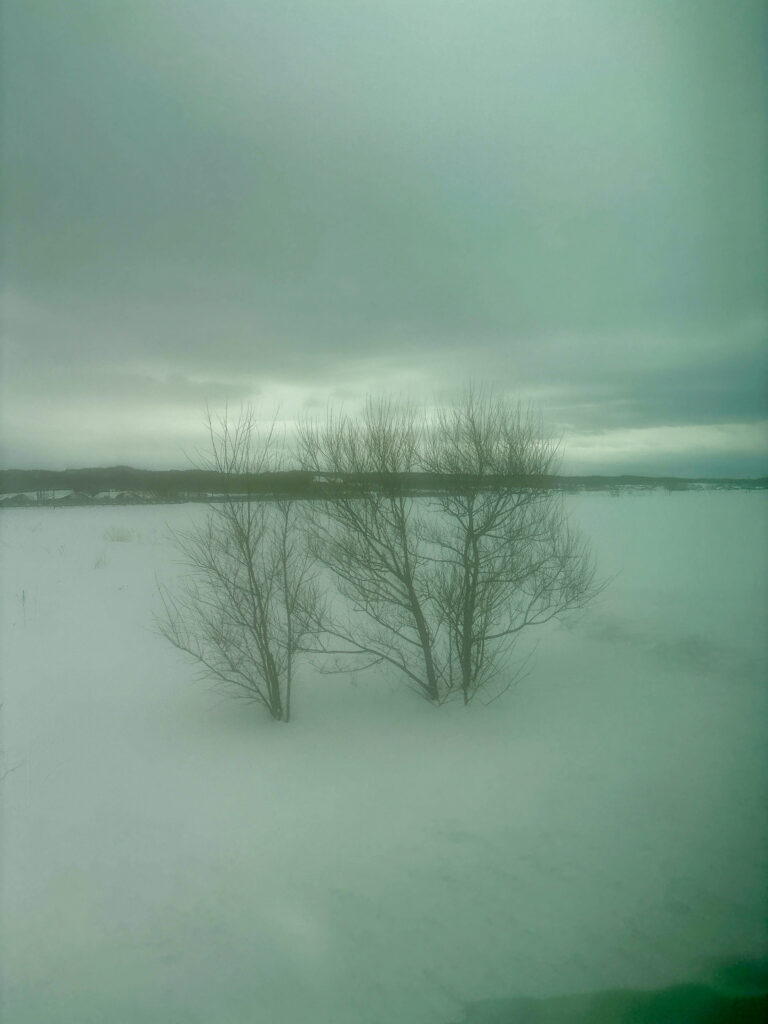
126	485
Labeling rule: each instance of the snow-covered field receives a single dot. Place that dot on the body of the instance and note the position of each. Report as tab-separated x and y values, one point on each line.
173	856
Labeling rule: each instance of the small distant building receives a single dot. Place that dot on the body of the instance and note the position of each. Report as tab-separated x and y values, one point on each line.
76	498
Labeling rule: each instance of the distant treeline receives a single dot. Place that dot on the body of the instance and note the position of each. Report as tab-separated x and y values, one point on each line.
123	483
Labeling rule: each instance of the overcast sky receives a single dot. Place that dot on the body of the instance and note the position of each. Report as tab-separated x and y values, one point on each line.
303	201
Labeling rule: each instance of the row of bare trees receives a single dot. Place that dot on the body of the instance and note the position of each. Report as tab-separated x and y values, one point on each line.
437	587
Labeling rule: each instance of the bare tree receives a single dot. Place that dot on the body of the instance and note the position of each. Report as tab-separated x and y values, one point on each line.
441	587
369	533
249	597
504	555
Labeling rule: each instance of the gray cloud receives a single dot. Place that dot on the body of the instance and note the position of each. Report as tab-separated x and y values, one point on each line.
208	201
135	389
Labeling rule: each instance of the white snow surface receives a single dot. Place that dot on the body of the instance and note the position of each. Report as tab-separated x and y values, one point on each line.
171	855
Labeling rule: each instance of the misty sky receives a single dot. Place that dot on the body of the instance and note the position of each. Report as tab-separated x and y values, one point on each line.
303	201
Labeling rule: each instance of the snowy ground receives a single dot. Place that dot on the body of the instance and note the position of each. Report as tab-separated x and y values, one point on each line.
172	856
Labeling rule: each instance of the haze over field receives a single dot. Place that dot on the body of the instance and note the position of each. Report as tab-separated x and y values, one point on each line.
266	209
172	855
318	200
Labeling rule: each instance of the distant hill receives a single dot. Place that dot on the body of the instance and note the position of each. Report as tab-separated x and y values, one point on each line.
162	484
124	484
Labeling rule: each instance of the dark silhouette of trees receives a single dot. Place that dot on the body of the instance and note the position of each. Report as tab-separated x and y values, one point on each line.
441	587
248	599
